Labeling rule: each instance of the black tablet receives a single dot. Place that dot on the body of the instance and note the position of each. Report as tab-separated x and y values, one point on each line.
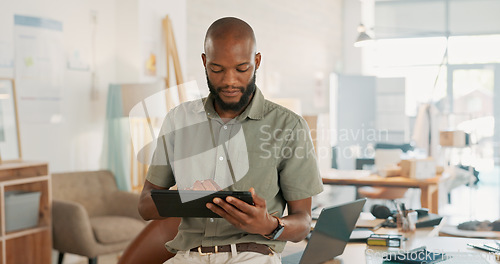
169	203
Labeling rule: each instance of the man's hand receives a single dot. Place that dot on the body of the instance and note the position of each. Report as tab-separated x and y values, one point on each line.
253	219
205	185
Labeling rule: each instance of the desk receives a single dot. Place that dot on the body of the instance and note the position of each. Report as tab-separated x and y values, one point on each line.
361	253
428	187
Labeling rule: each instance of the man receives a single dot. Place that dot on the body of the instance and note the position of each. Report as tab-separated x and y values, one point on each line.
268	150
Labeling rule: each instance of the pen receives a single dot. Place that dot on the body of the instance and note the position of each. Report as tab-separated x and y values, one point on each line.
482	247
403	208
494	248
398	208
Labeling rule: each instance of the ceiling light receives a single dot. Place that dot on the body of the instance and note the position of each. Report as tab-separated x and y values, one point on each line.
363	37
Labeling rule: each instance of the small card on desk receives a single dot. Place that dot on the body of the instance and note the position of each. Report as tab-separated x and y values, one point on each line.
373	224
360	235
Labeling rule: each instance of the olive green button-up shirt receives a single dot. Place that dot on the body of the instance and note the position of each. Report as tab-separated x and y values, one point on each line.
267	147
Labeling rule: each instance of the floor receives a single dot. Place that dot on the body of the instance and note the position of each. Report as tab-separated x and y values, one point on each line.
481	202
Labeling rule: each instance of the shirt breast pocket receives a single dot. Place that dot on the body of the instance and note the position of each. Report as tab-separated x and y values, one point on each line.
262	174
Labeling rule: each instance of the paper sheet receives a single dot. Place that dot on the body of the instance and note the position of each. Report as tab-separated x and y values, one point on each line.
39	68
454	231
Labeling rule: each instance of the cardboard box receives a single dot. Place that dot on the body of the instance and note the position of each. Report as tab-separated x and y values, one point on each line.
453	138
418	168
312	122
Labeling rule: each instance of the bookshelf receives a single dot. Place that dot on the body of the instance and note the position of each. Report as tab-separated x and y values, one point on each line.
30	245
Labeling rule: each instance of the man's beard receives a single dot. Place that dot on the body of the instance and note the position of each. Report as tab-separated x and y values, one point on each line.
238	106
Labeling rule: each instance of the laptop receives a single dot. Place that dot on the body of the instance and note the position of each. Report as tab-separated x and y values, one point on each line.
330	235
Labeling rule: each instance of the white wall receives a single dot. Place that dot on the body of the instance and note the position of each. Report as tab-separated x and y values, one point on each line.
151	13
300	43
76	142
139	32
459	17
351	56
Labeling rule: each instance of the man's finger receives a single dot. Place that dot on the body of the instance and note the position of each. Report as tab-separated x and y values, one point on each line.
216	186
209	185
214	208
218	210
198	186
233	211
257	200
241	205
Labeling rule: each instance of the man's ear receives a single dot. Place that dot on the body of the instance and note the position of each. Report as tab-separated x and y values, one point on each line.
204	59
257	60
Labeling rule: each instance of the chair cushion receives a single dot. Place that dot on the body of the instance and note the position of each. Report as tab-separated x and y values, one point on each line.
115	229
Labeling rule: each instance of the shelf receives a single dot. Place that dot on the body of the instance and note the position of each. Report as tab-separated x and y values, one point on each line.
25	181
25	232
22	169
30	245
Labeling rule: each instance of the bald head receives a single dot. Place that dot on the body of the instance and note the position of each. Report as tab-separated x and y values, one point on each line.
229	29
231	61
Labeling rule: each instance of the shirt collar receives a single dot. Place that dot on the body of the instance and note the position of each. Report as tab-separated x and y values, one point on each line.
254	110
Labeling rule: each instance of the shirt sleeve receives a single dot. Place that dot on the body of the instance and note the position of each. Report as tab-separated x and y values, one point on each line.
160	171
298	169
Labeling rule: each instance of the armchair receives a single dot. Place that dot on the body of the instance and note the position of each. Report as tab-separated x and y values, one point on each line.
91	216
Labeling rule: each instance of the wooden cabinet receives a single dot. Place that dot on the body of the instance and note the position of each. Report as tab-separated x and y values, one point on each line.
31	245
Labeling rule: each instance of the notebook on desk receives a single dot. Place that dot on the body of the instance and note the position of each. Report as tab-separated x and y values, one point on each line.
330	235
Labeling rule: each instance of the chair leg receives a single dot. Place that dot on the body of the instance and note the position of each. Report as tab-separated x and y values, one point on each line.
60	258
93	260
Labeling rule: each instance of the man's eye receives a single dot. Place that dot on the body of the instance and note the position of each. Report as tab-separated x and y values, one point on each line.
242	70
216	70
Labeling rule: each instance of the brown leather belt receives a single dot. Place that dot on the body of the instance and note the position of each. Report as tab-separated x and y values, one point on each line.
241	247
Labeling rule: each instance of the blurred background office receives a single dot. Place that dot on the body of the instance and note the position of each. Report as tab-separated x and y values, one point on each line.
438	58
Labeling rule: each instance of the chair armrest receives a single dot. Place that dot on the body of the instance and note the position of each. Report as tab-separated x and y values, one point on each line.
124	204
71	228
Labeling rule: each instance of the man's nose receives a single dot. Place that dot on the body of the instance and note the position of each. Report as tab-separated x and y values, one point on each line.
230	79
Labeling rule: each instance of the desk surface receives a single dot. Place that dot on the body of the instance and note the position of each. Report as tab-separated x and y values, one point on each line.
361	253
429	187
364	179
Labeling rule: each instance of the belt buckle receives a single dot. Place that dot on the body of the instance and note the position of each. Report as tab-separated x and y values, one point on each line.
208	253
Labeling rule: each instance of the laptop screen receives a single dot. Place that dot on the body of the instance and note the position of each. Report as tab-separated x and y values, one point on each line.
332	232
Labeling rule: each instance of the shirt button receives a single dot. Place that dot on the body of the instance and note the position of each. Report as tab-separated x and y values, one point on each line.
225	127
211	220
221	158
